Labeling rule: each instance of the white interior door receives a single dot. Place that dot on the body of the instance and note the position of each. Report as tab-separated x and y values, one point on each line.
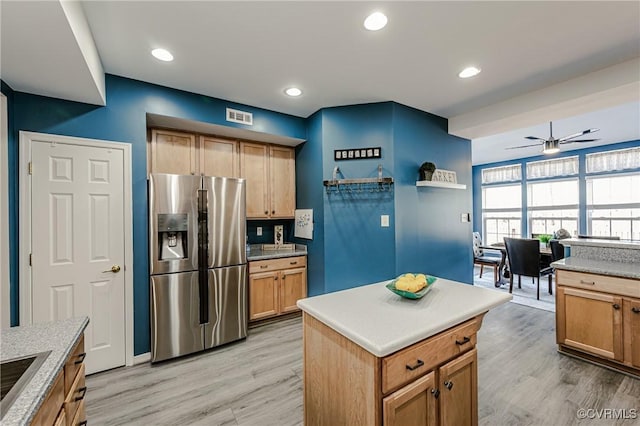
78	246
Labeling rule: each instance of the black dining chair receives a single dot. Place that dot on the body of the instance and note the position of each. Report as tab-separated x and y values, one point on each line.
523	255
557	250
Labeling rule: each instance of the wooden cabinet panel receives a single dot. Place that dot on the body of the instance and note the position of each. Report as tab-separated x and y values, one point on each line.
594	282
62	419
50	408
458	381
263	295
76	395
80	418
293	287
254	167
219	157
173	152
590	321
631	320
276	285
405	365
282	173
413	405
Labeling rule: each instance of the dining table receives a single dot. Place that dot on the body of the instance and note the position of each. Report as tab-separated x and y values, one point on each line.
503	267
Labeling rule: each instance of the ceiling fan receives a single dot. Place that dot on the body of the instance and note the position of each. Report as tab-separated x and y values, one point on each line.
551	144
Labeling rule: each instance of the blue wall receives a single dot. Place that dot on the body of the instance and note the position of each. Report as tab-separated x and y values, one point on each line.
429	234
124	120
581	153
309	192
349	247
357	249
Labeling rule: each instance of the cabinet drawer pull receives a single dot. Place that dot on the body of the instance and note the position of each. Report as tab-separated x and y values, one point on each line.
418	364
616	306
448	384
83	391
264	266
82	423
463	341
293	263
587	282
435	393
635	310
81	358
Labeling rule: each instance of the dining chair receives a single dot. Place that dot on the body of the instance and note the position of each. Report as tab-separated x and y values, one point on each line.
479	257
557	250
523	256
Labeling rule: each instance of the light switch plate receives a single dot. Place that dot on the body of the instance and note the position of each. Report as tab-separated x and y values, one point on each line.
465	217
384	220
259	231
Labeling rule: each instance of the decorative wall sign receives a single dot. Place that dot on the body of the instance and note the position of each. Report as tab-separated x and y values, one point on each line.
441	175
357	154
304	224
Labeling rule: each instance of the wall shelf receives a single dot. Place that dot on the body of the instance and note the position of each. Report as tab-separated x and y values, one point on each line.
358	185
436	184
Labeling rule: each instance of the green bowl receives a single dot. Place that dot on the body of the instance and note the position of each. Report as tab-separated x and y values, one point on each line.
409	295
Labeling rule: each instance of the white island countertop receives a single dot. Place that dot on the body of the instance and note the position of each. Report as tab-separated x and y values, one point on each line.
383	322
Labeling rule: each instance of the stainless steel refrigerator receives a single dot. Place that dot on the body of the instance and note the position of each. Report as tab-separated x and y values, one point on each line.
198	265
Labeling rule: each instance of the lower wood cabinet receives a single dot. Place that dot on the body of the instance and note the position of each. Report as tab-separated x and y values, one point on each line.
596	319
64	405
432	382
276	285
445	396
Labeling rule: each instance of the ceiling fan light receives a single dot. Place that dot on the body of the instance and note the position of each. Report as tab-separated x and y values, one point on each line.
550	147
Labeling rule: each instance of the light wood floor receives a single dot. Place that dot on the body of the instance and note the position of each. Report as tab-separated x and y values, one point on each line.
258	382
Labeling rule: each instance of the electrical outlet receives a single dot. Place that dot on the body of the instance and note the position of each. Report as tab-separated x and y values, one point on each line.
384	220
259	231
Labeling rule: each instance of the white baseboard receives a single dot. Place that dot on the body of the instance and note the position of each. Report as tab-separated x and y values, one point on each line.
142	358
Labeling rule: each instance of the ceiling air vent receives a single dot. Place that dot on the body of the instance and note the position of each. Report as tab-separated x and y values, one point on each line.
239	116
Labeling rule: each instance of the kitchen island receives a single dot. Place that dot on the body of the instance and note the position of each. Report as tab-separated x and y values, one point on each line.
374	358
598	303
57	379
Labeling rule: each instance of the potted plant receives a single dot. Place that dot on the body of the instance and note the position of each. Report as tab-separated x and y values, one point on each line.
426	170
545	238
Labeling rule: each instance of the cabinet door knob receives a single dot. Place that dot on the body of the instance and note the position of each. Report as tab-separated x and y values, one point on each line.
266	212
435	393
275	278
616	306
635	310
273	212
448	384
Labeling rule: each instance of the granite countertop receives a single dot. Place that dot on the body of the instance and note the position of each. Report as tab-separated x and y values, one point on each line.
594	242
59	337
382	322
257	253
602	267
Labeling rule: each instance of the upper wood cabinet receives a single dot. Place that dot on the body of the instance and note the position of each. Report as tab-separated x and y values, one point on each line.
172	152
270	174
219	157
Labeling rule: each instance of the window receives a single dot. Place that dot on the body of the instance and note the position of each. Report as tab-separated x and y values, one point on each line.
501	212
613	206
553	205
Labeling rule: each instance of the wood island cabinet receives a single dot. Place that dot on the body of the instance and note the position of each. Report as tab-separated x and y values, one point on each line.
275	285
270	174
64	404
597	320
432	382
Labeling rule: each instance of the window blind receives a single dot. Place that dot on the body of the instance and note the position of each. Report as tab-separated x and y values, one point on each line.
620	159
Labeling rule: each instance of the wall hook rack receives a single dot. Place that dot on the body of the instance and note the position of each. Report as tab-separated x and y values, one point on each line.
358	185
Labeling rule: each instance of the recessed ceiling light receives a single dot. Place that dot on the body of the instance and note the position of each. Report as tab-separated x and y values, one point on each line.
469	72
162	54
293	91
376	21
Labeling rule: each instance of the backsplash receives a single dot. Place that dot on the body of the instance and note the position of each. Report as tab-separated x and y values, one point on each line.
267	236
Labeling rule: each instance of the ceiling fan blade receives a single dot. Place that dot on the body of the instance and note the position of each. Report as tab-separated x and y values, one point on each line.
579	140
575	135
522	146
533	138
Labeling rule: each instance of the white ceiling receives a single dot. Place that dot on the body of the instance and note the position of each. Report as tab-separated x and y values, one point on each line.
576	63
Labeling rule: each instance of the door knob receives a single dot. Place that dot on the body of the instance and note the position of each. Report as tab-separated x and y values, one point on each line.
114	269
